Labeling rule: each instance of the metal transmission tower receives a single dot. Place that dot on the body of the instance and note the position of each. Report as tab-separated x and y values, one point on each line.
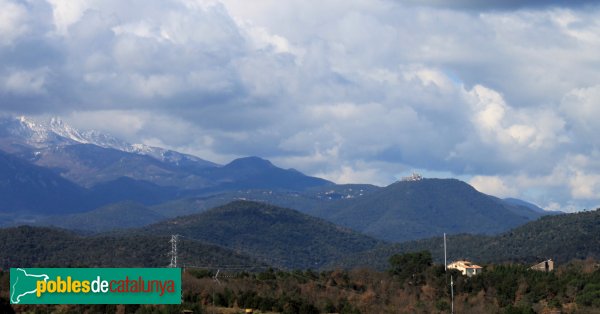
173	251
216	277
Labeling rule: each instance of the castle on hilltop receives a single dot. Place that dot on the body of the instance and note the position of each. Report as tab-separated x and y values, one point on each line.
414	177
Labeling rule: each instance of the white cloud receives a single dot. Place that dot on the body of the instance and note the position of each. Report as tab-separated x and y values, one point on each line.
13	21
67	12
585	186
518	132
357	173
119	123
489	108
493	185
582	107
353	90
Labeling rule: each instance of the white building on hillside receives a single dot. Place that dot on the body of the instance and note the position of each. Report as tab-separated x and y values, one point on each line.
467	268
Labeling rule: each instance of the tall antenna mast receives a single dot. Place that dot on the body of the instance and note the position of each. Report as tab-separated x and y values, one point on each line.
445	262
173	253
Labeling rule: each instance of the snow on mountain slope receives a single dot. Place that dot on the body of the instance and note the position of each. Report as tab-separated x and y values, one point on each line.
57	126
23	130
56	132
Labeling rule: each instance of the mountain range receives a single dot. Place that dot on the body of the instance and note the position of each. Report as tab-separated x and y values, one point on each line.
97	170
88	158
16	132
53	174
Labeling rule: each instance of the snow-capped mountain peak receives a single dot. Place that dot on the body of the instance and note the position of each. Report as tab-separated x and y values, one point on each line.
55	132
26	122
31	132
57	126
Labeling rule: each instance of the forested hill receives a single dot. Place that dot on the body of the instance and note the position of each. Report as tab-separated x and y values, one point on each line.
410	210
48	247
282	237
559	237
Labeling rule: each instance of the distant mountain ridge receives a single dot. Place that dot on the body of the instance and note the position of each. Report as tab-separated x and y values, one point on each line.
257	173
29	189
384	212
535	208
119	215
399	212
90	157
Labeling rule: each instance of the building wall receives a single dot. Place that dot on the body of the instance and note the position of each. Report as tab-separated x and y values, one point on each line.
547	265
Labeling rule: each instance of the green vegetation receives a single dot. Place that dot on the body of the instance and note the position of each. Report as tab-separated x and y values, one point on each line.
411	284
421	209
408	265
280	237
289	239
559	237
46	247
572	288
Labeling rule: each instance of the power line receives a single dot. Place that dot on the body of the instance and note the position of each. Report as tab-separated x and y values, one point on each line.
176	259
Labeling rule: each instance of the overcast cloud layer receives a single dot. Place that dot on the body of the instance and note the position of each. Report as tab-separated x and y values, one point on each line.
505	96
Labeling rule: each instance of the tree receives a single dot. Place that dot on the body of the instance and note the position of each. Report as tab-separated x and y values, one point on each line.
410	265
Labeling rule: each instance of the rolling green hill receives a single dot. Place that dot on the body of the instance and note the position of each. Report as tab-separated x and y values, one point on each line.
279	236
559	237
411	210
48	247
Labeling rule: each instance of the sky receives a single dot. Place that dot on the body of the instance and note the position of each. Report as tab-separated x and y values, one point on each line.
504	95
